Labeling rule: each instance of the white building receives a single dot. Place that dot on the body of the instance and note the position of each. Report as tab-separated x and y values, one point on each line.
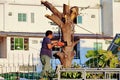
22	23
116	17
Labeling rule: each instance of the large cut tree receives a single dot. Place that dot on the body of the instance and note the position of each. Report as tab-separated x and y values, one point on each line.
65	20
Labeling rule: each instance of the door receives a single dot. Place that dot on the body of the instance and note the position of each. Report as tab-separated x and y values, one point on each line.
3	49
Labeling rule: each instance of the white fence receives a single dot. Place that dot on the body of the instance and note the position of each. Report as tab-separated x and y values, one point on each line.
18	63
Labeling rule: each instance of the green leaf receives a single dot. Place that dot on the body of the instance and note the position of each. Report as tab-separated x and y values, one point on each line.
91	53
101	58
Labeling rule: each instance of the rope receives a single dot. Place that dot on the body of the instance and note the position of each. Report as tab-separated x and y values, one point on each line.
84	29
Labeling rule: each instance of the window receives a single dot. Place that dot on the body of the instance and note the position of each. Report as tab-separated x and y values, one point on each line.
10	13
32	18
22	17
92	16
19	44
97	46
79	19
77	50
26	44
12	43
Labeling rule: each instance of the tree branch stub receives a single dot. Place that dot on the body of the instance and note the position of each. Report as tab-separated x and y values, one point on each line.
52	8
55	19
66	9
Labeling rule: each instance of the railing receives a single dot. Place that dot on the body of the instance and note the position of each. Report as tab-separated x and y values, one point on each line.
90	74
18	67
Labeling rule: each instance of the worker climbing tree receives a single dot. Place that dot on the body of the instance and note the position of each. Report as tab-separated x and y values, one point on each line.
65	21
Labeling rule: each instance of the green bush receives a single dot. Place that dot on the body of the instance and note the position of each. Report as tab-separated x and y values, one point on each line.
71	75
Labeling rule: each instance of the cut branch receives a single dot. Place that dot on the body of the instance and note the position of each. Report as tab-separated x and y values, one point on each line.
66	9
55	19
73	12
52	9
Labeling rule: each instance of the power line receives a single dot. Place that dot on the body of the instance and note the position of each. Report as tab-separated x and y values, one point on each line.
84	29
92	32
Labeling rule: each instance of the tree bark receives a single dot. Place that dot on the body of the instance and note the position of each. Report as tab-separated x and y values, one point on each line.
65	21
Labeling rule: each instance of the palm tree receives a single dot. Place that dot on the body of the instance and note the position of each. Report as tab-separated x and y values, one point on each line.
101	59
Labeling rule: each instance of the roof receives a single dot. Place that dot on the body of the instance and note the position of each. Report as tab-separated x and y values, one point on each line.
93	36
40	35
21	34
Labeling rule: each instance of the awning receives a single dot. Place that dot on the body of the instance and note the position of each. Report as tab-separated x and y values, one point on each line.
21	34
41	35
93	36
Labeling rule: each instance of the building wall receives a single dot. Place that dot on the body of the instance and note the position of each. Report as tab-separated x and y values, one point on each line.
107	17
41	23
56	2
116	17
16	58
24	56
88	44
1	16
24	1
90	22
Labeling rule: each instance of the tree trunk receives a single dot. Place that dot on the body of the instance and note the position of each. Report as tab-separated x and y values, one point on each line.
65	21
68	54
66	58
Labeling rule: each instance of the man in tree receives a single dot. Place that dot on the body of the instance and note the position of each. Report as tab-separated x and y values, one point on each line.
65	21
46	51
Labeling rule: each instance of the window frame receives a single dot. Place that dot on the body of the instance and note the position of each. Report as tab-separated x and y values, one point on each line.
98	45
81	19
24	45
22	17
77	50
18	43
32	17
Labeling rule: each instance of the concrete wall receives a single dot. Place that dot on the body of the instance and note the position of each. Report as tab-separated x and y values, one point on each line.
88	44
107	17
1	16
57	2
41	23
24	56
24	1
89	23
116	17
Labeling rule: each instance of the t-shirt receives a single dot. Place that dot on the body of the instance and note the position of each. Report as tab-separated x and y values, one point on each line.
45	50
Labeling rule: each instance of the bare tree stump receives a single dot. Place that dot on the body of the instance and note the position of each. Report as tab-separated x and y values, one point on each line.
65	21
